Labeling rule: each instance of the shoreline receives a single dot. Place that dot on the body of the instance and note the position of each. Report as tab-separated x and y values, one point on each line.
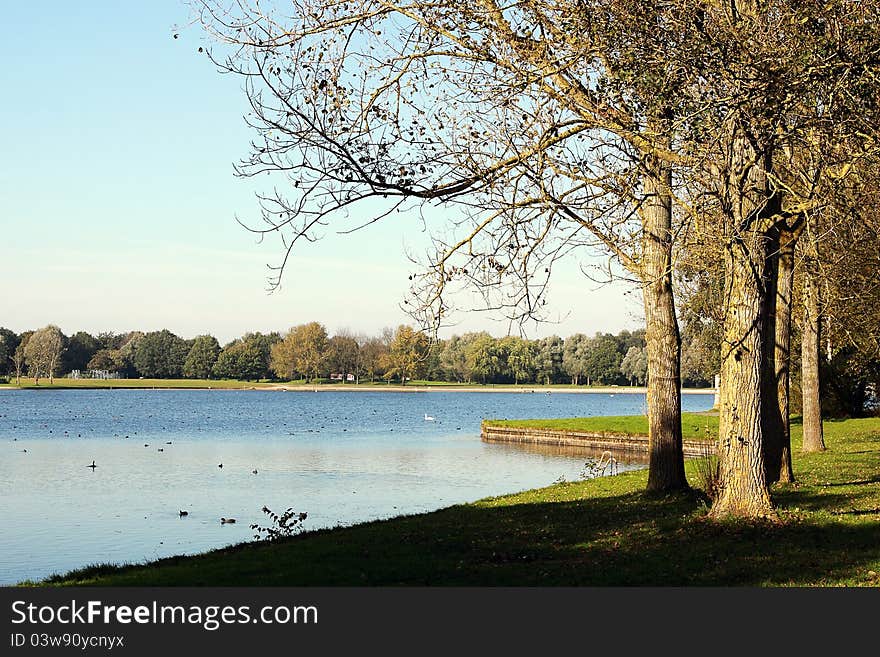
606	390
610	442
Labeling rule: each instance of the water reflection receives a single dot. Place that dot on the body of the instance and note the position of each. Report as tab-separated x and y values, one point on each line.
636	458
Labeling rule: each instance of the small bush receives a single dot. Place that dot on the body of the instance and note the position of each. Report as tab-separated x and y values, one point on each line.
282	526
599	467
708	472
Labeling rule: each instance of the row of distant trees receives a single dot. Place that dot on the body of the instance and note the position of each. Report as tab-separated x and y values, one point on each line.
308	352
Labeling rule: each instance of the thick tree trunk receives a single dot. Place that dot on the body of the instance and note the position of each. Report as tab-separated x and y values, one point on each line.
811	346
666	465
754	213
784	286
743	484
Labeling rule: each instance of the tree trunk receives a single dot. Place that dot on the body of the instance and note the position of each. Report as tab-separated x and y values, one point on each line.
753	215
666	465
771	418
784	286
777	355
742	479
811	346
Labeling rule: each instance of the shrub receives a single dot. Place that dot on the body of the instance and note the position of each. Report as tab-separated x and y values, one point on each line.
708	472
282	526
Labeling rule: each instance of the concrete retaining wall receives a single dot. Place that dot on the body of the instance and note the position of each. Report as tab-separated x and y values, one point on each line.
600	440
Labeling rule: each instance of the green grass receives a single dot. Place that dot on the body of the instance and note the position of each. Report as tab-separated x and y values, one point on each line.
603	532
694	426
62	383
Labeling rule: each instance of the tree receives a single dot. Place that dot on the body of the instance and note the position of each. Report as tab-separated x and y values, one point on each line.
104	359
540	136
19	357
373	353
5	355
111	340
243	360
263	342
777	143
160	355
304	349
453	358
521	359
574	357
281	360
700	361
343	355
626	339
841	317
602	359
43	352
123	355
777	374
433	370
485	358
634	365
407	353
202	355
79	351
549	359
9	341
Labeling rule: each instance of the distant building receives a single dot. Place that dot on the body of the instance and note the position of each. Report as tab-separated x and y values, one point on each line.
94	374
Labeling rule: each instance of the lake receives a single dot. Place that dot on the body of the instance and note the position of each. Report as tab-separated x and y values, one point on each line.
340	457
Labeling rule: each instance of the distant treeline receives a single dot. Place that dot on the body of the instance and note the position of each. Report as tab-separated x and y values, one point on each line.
308	352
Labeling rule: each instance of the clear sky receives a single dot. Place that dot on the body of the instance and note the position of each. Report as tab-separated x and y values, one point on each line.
118	203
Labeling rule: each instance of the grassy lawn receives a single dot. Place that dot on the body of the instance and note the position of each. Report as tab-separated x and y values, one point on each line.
694	426
62	384
600	532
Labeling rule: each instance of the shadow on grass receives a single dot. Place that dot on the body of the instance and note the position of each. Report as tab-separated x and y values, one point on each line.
621	540
872	480
595	533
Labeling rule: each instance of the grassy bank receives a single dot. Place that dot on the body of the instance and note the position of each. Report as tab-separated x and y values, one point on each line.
694	426
322	384
64	384
600	532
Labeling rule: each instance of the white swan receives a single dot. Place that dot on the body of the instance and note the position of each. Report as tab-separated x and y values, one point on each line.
428	418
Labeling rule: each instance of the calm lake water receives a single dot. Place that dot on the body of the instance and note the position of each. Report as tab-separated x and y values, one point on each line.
341	457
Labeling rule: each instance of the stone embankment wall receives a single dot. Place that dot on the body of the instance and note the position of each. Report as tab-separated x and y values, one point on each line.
595	440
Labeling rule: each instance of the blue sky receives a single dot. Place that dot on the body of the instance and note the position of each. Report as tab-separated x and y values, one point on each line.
118	203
